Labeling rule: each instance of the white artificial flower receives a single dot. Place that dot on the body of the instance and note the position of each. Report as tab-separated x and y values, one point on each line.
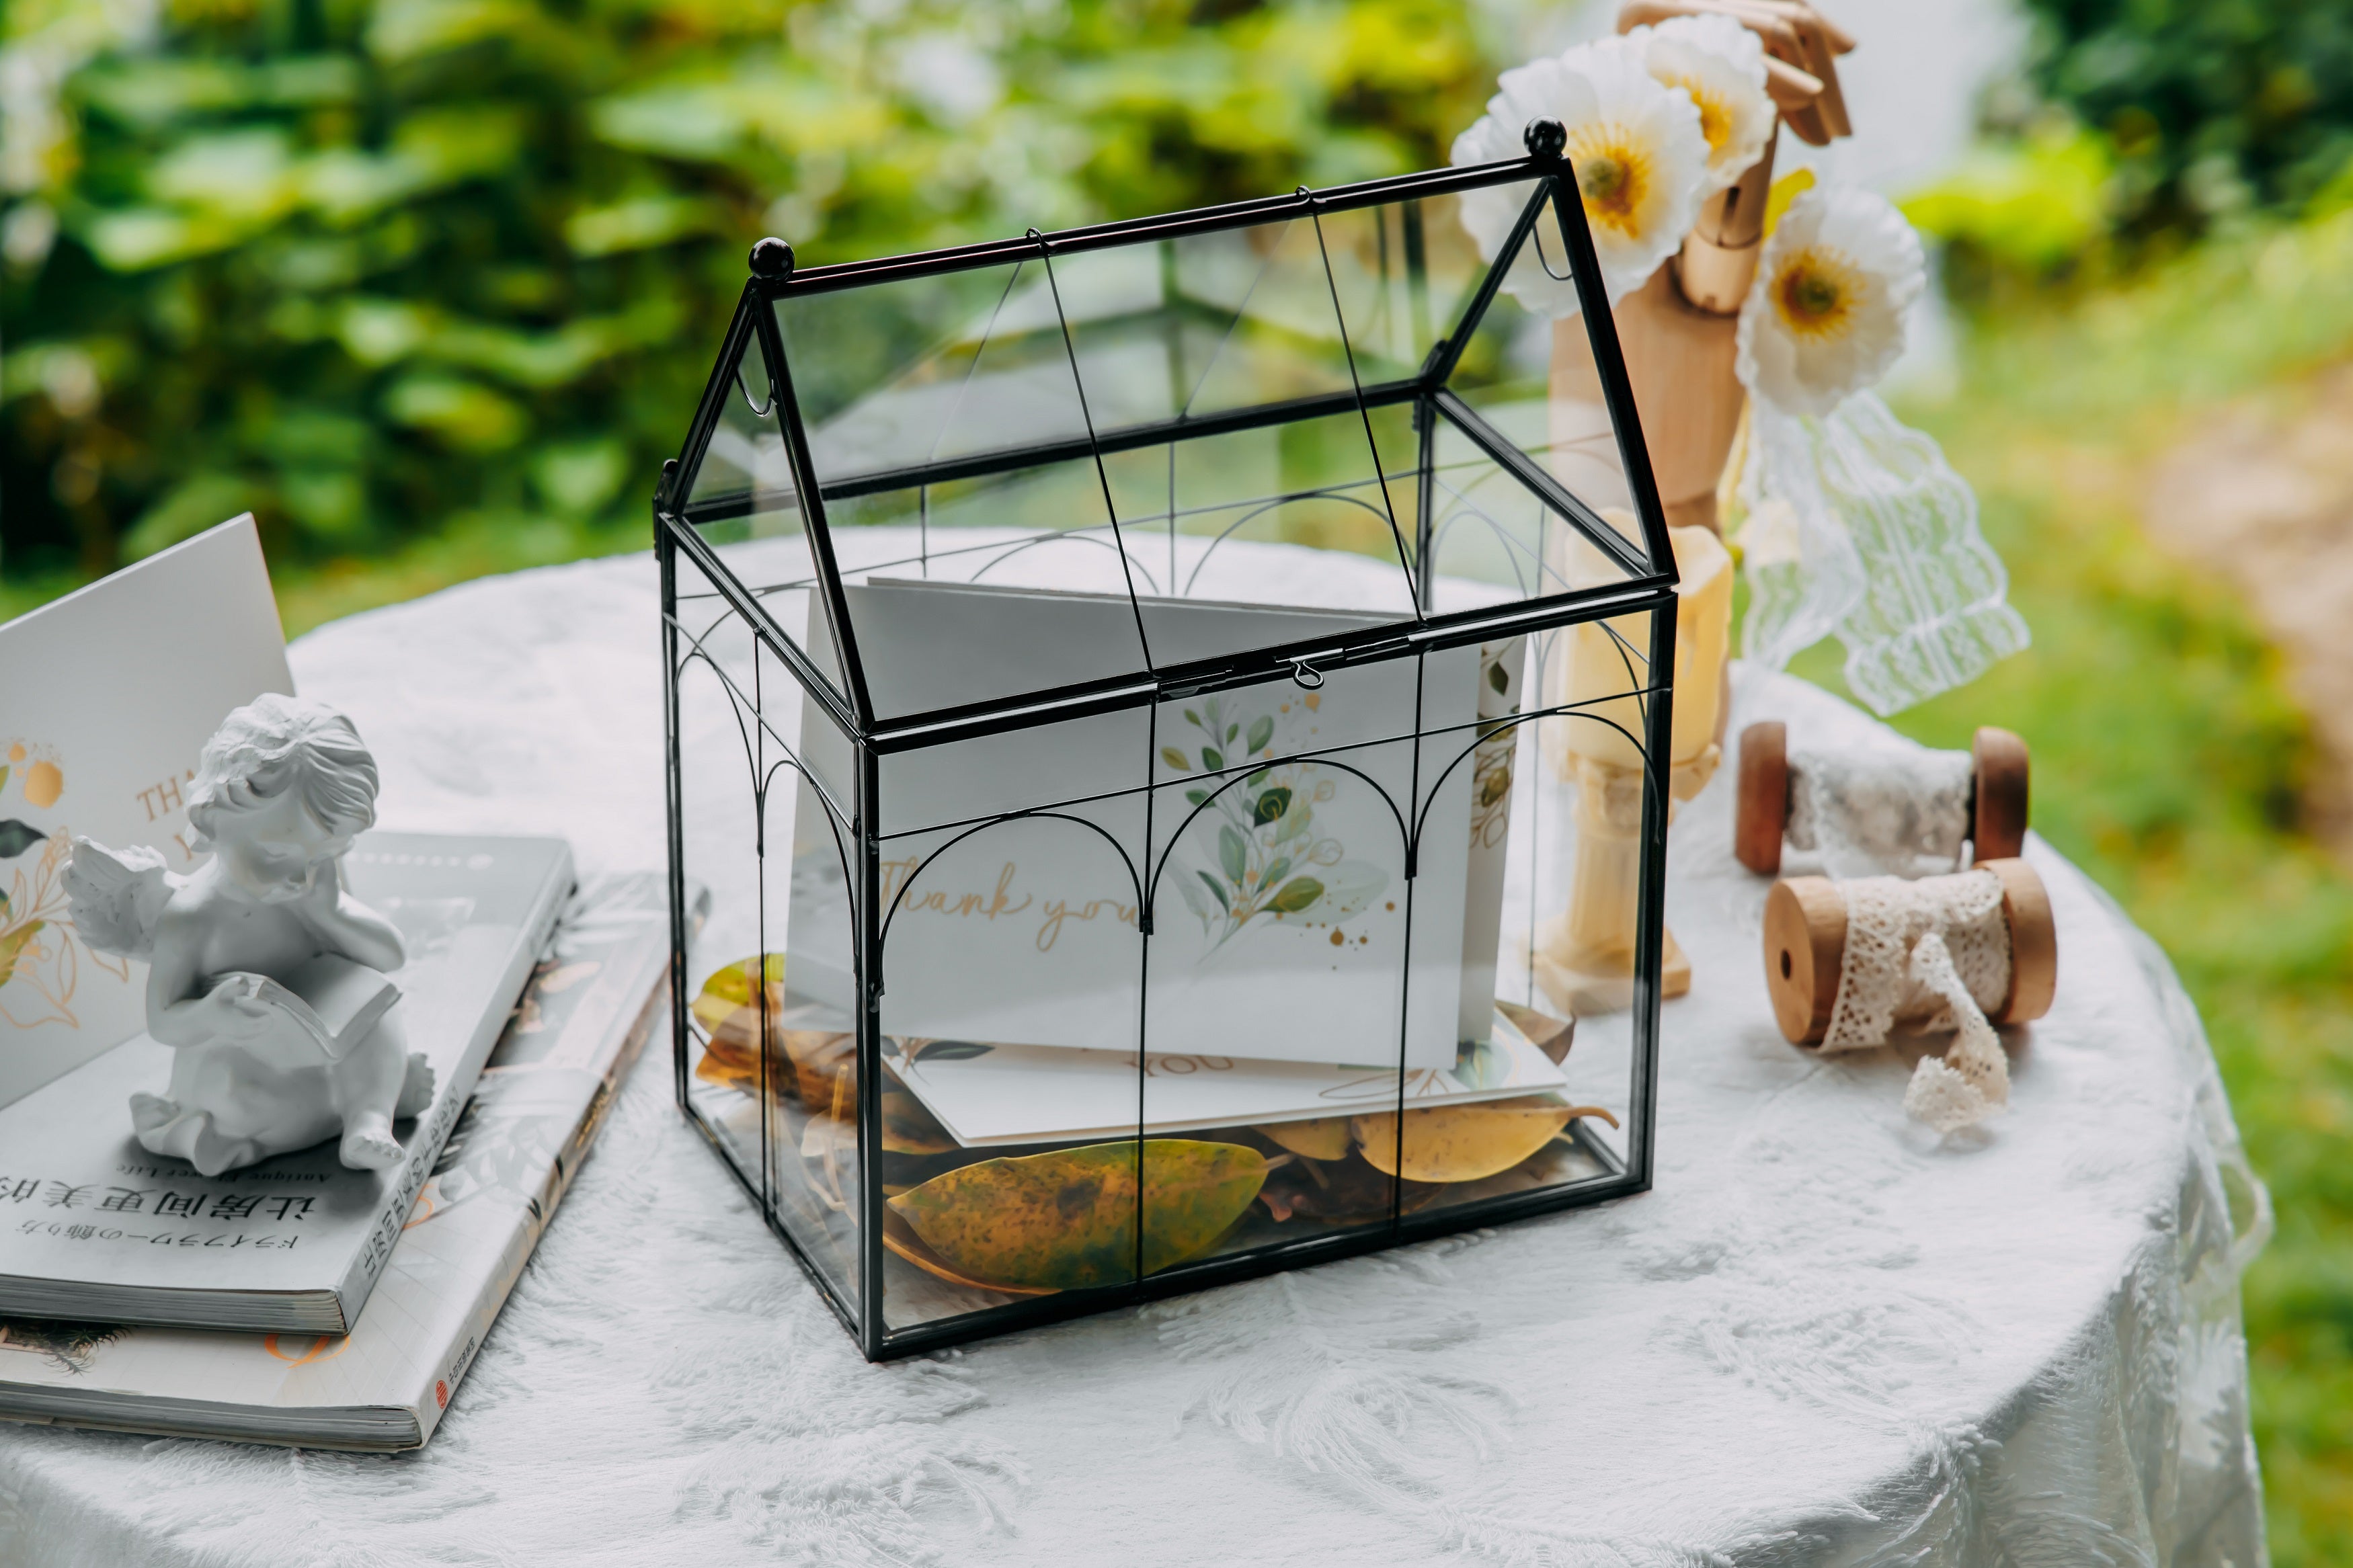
1721	64
1639	155
1825	317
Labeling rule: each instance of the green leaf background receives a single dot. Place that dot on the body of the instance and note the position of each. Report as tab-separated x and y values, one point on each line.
435	284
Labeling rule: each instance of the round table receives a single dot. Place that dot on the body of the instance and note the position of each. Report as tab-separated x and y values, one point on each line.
1827	1337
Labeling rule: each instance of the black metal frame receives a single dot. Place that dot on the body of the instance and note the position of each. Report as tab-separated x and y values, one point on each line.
1649	588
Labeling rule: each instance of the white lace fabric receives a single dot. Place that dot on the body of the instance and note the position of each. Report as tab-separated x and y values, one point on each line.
1934	954
1880	810
1858	527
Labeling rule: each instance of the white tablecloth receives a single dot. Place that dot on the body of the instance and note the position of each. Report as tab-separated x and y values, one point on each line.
1827	1337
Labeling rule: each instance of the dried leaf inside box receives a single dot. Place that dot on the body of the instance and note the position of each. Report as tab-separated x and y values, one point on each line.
1172	715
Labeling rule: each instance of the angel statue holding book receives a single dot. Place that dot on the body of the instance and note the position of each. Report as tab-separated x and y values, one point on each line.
266	977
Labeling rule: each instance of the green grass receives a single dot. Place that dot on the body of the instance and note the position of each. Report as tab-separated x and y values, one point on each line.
2169	761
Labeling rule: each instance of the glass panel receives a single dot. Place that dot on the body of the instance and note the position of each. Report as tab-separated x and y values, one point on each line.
1294	515
949	369
1011	969
1249	318
1044	766
771	1072
1557	811
917	372
807	856
744	1016
1537	274
743	466
979	590
1518	1124
1279	1012
1163	332
719	825
812	1044
1203	325
1494	538
741	500
765	685
1037	526
972	590
960	593
717	760
1403	272
1528	374
778	573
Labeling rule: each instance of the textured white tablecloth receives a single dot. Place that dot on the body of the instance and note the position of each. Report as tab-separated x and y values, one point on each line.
1826	1338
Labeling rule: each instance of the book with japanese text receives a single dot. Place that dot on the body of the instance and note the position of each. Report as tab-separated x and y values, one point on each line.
592	1001
94	1226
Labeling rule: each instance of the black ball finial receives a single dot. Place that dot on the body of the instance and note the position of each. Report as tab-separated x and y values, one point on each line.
1545	138
771	257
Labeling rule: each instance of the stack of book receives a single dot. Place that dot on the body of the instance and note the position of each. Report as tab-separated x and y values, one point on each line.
356	1301
291	1299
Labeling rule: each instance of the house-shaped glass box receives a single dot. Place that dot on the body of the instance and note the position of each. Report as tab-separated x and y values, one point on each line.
1171	718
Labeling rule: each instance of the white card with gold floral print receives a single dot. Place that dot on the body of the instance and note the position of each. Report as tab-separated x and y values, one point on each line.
112	692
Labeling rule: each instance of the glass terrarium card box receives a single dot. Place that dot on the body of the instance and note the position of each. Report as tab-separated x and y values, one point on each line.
1172	718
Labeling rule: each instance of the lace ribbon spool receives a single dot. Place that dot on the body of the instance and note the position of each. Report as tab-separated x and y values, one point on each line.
1885	808
1845	962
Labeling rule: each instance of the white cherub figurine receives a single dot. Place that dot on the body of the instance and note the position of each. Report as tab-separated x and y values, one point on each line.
267	976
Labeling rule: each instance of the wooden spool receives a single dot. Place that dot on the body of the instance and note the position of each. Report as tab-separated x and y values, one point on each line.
1998	765
1805	949
1998	795
1761	807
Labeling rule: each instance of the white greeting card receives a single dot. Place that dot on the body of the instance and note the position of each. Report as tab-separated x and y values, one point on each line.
1501	668
993	1095
112	692
1285	924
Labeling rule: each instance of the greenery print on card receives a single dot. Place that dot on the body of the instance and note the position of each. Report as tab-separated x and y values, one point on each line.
1261	855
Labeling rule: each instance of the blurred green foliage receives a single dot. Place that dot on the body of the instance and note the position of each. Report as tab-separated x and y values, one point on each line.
2139	125
2208	106
2021	211
453	271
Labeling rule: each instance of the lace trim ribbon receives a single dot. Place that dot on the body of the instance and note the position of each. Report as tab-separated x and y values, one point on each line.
1933	954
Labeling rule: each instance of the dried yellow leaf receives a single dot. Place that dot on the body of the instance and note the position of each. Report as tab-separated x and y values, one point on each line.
1066	1220
1462	1142
901	1238
908	1128
1326	1138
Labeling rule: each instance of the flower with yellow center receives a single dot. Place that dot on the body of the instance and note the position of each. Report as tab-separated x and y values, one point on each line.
1615	174
1815	293
1635	149
1825	317
1720	65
